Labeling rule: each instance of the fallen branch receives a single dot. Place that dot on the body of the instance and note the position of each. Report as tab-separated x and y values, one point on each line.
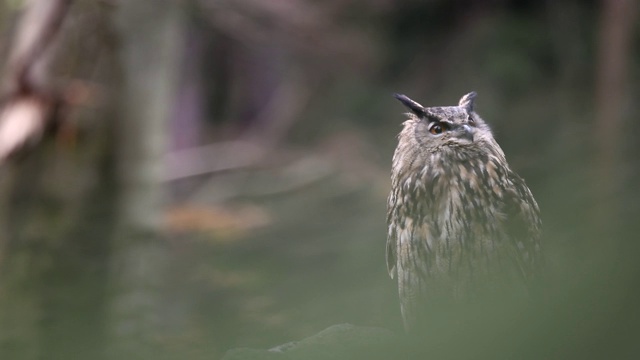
226	156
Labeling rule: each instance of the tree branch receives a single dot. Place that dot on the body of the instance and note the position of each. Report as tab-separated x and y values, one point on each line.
30	105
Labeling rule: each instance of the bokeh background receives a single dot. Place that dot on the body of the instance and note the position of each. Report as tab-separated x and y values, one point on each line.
213	174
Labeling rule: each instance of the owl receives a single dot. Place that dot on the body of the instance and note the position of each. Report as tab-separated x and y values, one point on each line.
458	217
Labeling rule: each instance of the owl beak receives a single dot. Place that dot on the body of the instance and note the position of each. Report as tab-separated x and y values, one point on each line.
466	132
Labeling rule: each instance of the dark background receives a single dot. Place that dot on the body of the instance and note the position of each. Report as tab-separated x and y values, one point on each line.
220	178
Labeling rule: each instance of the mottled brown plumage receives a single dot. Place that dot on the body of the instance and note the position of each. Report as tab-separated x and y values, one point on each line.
458	216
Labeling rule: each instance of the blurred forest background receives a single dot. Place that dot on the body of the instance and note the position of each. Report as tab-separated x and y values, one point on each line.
184	177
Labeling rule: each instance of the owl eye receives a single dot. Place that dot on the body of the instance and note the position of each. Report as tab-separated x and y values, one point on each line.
438	128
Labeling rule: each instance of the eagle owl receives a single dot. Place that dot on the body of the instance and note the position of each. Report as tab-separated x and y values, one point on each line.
458	216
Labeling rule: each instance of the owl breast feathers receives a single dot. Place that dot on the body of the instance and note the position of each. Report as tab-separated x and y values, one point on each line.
457	214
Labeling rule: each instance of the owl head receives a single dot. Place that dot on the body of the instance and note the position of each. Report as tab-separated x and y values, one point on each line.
448	126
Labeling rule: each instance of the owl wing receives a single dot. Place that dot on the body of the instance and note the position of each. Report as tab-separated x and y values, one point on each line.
392	247
391	256
523	225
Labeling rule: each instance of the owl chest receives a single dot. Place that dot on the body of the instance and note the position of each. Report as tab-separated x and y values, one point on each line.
443	209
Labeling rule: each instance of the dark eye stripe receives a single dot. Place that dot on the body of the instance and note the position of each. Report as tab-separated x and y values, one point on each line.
431	119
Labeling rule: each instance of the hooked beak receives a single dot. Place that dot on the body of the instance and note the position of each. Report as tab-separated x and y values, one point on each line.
466	132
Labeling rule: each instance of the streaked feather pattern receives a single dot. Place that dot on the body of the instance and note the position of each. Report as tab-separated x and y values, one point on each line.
456	211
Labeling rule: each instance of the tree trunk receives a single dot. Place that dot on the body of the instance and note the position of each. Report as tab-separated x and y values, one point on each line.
612	84
151	33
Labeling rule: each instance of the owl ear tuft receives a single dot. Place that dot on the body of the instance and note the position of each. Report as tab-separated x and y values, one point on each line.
468	101
412	105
